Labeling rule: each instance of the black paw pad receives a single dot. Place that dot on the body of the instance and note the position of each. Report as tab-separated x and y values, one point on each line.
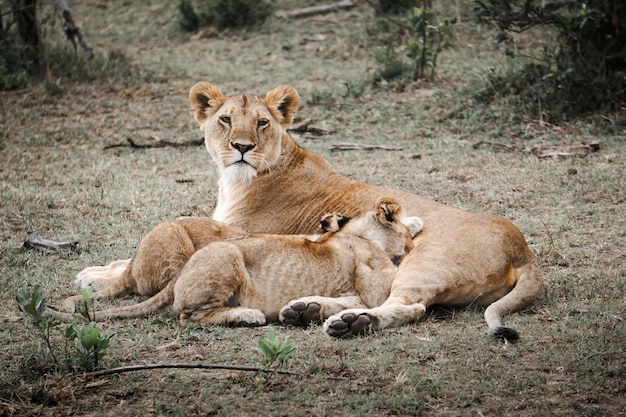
301	314
350	325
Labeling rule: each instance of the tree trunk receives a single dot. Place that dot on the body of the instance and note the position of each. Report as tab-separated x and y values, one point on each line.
25	15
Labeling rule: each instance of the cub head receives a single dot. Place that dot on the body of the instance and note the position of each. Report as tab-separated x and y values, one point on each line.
243	133
388	228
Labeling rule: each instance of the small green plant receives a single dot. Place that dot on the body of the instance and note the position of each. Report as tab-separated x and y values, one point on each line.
89	343
277	352
413	53
426	41
86	341
34	306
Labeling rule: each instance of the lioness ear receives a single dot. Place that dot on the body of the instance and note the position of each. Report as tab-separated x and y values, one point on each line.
388	210
283	102
205	98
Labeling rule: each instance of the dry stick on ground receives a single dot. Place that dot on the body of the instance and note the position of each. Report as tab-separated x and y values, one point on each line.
35	240
307	128
317	10
132	368
496	145
72	31
347	146
566	149
158	143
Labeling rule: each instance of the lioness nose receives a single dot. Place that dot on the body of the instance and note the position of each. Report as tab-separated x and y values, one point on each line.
242	147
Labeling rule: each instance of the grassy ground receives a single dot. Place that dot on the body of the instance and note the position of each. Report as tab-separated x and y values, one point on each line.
56	177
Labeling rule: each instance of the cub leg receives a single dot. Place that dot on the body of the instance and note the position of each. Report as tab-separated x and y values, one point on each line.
354	322
209	284
315	309
239	316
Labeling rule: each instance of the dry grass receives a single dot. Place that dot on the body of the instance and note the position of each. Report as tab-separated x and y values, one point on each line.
56	178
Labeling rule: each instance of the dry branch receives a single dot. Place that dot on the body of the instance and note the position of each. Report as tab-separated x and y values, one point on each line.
566	149
72	31
317	10
35	240
307	128
132	368
158	143
495	145
346	146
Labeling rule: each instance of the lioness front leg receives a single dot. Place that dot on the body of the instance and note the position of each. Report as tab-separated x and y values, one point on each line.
355	322
315	309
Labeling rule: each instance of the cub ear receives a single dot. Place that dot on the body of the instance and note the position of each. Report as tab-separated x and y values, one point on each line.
388	210
333	222
205	99
414	224
283	102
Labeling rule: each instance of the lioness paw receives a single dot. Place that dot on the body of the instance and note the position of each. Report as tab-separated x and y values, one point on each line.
299	313
348	324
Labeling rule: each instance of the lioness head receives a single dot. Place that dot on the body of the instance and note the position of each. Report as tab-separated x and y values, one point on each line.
243	133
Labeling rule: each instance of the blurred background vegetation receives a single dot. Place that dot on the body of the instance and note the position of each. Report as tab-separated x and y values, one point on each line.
580	70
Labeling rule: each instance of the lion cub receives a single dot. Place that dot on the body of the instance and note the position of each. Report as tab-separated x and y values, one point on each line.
295	278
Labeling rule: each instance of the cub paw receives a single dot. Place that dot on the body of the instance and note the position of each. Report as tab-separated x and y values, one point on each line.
247	317
348	324
300	313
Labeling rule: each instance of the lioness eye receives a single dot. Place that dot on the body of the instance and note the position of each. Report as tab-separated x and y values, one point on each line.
262	122
225	119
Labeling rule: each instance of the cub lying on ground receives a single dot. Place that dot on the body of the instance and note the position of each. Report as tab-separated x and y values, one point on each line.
153	270
254	278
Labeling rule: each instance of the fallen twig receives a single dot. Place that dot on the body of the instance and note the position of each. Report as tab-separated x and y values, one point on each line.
347	146
496	145
35	240
566	149
132	368
158	143
316	10
307	128
72	31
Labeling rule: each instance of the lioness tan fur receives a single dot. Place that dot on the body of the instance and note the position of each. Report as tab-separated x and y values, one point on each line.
248	278
459	259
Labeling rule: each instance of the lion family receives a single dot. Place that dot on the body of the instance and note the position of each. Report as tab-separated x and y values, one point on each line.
270	185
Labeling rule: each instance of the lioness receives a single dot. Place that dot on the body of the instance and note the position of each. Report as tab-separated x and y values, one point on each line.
249	278
459	259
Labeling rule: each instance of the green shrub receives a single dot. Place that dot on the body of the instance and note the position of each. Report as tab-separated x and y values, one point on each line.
223	14
581	71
